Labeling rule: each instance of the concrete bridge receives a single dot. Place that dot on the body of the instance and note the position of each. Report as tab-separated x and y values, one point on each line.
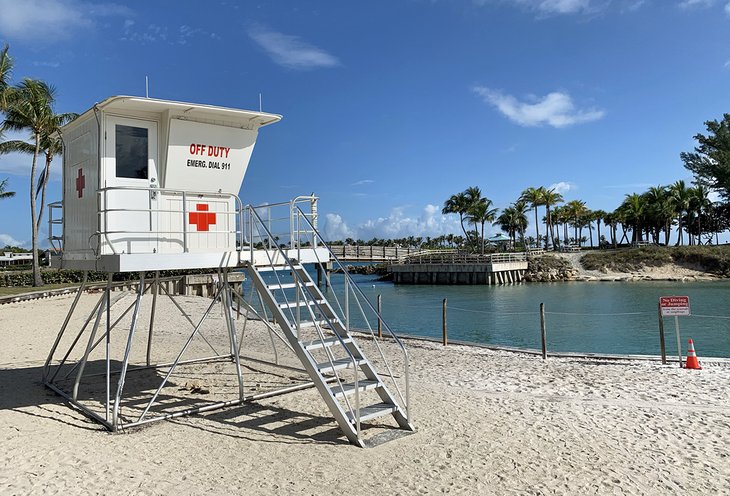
460	268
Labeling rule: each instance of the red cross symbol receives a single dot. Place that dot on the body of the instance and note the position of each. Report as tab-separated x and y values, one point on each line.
80	182
201	217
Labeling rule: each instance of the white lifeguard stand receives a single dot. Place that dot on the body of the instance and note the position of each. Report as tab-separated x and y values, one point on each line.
151	185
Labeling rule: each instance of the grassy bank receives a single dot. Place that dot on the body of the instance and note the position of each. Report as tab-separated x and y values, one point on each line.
711	259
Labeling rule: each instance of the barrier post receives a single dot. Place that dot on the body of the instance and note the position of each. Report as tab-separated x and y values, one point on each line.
380	317
661	335
443	319
543	334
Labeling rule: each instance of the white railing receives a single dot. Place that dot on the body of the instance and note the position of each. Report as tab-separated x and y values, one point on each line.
286	224
354	309
55	218
285	221
455	257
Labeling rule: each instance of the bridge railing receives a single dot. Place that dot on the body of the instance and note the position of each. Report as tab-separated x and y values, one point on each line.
456	257
371	253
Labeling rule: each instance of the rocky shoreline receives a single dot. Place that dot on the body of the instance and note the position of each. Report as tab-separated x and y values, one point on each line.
567	267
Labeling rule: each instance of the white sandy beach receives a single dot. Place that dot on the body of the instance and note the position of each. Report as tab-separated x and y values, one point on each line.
489	422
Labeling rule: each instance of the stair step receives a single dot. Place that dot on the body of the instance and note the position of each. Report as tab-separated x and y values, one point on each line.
319	344
272	268
373	412
279	268
288	285
301	303
342	363
349	388
311	323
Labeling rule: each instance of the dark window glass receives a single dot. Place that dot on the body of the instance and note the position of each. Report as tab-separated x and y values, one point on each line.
131	152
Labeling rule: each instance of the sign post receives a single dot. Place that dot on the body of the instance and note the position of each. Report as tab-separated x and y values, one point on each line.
675	306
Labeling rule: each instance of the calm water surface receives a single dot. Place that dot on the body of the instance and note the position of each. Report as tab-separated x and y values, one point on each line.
598	317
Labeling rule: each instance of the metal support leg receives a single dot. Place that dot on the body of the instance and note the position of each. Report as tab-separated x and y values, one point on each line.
127	351
89	346
108	345
231	324
155	290
75	341
65	324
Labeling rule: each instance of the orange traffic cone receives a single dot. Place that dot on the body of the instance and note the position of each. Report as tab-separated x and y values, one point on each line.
692	363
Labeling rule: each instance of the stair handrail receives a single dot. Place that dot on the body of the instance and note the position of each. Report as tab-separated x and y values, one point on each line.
351	282
354	411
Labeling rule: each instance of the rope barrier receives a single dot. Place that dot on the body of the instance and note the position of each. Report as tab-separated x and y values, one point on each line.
710	316
490	313
599	314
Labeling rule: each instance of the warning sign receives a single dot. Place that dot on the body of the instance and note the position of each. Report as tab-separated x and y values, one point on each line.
674	305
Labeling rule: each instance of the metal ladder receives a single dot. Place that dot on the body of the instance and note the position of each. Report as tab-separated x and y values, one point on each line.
341	372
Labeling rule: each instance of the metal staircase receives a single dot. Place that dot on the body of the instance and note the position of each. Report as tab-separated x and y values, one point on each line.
320	335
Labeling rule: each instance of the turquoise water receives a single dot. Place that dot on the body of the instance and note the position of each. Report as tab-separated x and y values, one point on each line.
599	317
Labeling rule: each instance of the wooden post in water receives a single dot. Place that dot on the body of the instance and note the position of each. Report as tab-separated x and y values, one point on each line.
661	335
543	334
380	317
445	327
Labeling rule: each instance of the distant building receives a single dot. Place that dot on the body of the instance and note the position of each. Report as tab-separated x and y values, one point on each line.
10	258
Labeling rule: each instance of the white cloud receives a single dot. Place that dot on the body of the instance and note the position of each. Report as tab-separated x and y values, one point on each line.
290	51
690	4
52	19
335	228
555	109
150	34
397	224
633	5
727	8
563	6
8	240
562	187
52	65
551	7
363	182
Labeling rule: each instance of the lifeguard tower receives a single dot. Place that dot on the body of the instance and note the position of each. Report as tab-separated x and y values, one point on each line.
152	185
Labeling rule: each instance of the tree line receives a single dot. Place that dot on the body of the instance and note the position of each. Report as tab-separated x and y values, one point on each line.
647	217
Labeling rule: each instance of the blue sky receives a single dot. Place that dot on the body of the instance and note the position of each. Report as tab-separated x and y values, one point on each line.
391	106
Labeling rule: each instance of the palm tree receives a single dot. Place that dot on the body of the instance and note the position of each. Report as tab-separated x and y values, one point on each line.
659	210
681	198
700	203
633	207
550	197
3	193
6	70
521	209
610	220
576	211
473	197
534	196
30	108
513	220
457	204
598	216
481	213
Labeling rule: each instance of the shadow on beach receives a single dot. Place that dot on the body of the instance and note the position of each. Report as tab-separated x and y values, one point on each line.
22	390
